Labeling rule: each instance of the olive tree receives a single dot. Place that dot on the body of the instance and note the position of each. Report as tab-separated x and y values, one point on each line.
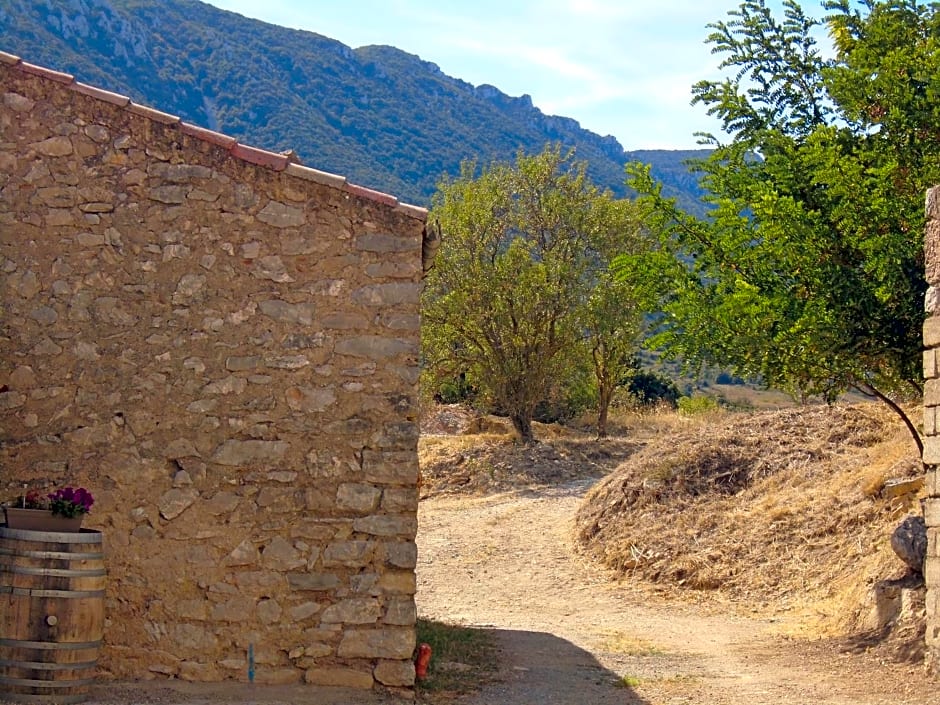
506	301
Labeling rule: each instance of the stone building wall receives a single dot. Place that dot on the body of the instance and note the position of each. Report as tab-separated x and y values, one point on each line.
932	427
222	346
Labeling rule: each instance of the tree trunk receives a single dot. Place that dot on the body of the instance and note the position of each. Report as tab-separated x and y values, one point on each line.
604	397
896	408
523	425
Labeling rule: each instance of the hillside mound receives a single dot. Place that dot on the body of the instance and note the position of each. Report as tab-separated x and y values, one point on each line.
783	510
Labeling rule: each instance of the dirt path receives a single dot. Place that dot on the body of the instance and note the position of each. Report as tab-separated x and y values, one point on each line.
569	635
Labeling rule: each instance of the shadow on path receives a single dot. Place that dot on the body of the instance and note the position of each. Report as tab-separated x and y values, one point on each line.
539	668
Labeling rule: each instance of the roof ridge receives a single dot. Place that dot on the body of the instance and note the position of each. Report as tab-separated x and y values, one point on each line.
277	161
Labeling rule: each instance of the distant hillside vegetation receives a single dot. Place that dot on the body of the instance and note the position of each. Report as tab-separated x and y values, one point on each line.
383	118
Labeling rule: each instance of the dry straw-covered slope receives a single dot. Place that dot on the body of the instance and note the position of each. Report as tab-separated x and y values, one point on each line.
784	509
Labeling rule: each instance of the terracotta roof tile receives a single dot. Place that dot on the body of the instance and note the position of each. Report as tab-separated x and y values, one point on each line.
321	177
262	157
217	138
368	193
101	94
279	162
153	114
57	76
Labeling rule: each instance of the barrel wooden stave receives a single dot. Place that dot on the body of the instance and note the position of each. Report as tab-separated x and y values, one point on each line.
52	617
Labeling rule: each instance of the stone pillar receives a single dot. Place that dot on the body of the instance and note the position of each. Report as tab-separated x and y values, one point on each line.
932	427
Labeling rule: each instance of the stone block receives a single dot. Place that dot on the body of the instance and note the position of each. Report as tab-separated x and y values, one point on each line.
932	203
932	482
339	677
388	643
932	512
239	609
932	252
392	295
311	652
221	503
400	554
931	450
278	676
315	582
357	610
403	525
385	242
245	553
260	582
364	584
234	452
300	313
930	363
280	554
305	610
281	215
395	673
192	639
269	611
351	554
401	612
358	498
932	301
310	399
932	573
193	609
375	347
280	499
176	501
930	420
400	500
398	582
198	672
932	332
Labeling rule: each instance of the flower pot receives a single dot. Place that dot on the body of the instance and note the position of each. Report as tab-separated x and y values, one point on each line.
42	520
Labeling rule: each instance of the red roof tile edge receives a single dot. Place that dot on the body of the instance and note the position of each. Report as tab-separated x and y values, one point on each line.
253	155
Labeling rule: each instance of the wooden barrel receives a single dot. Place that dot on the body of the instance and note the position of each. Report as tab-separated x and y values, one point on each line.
51	614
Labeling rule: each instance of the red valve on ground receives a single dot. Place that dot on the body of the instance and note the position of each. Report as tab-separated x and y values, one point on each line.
422	661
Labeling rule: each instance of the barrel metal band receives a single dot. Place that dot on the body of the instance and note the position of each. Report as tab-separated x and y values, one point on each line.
52	685
44	699
60	555
44	666
54	572
51	645
83	536
68	594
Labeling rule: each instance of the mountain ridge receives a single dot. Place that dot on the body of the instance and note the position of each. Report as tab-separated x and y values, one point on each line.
376	114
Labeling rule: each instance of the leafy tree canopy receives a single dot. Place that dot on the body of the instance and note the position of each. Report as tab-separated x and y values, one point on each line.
509	301
808	271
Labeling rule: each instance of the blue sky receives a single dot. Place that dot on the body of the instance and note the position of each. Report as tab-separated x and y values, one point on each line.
623	68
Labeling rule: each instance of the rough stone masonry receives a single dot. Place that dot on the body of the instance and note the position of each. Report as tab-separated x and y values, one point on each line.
932	427
222	345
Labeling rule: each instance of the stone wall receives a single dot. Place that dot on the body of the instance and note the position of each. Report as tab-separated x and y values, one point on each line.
932	427
222	346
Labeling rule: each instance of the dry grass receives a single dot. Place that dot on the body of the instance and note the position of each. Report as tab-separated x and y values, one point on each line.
480	455
777	507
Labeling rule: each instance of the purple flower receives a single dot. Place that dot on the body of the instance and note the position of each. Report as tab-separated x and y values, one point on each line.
70	501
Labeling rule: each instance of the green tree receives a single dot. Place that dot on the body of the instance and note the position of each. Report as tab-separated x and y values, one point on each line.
808	271
614	314
505	301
